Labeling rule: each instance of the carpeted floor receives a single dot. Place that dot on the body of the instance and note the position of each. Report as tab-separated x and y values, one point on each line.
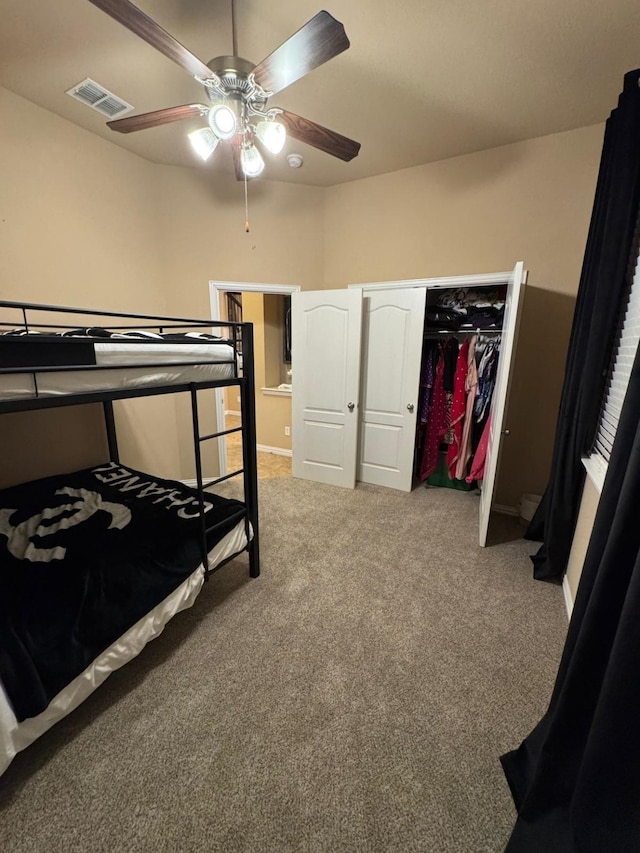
355	697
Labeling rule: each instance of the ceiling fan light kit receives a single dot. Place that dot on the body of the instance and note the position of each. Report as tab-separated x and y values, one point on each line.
238	91
272	134
222	121
251	161
203	141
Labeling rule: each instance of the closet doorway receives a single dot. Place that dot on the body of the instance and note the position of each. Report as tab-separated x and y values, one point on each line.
361	423
264	305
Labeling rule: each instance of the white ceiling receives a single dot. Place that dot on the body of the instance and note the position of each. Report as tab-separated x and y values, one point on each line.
423	79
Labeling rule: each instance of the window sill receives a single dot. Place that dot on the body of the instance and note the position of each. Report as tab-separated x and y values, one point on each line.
596	469
278	391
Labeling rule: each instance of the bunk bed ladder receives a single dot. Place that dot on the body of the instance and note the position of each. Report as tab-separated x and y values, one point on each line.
249	457
249	449
110	425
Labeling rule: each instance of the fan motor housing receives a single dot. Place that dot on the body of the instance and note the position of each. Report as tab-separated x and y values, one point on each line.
234	74
232	70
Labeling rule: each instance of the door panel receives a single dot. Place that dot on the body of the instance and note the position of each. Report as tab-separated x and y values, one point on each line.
381	442
326	328
513	310
393	325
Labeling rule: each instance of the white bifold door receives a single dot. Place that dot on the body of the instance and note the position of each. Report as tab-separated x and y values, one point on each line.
356	373
500	397
325	346
392	329
356	364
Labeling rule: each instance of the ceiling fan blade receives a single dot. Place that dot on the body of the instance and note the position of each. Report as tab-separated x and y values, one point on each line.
318	41
142	25
156	118
320	137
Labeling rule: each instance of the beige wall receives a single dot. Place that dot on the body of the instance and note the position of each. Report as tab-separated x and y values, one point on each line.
476	214
79	216
204	240
84	222
28	450
79	226
273	411
275	368
204	237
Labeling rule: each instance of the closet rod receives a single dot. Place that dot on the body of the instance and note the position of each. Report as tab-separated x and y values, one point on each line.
437	332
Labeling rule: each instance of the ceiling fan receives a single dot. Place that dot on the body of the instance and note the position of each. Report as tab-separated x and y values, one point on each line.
238	91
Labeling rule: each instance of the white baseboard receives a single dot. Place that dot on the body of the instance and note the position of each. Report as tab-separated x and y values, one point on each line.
505	510
568	598
192	484
235	414
280	451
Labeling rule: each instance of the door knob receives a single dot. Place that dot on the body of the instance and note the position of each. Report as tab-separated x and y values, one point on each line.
410	406
351	406
506	432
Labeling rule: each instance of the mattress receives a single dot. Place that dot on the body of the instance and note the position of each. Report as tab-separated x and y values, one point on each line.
93	563
16	736
108	365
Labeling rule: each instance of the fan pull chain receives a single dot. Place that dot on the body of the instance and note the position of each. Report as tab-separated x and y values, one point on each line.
246	206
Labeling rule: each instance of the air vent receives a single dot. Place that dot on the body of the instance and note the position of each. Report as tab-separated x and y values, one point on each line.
98	98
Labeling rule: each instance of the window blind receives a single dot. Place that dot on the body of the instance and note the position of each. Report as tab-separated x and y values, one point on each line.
624	356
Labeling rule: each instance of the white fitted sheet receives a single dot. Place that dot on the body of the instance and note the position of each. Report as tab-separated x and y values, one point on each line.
21	386
15	736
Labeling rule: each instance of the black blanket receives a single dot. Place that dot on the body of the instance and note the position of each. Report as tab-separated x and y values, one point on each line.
83	557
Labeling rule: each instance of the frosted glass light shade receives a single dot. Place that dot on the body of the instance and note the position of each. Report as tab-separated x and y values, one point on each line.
272	134
204	142
251	161
222	121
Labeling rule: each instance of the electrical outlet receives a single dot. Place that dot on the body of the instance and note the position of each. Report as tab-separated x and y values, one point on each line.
287	430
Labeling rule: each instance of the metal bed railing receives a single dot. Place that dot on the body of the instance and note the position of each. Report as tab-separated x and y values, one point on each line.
239	336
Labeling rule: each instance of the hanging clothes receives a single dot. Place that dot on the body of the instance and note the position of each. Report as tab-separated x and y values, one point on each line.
427	377
471	381
437	421
458	408
486	379
480	457
449	353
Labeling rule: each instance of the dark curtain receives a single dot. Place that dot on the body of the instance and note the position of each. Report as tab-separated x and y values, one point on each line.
602	285
576	779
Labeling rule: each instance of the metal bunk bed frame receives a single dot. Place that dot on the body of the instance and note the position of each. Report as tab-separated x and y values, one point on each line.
239	333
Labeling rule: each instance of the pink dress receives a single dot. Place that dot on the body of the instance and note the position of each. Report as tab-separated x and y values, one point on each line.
477	468
437	423
458	407
470	384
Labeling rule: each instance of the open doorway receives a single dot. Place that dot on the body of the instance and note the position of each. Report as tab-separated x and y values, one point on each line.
267	307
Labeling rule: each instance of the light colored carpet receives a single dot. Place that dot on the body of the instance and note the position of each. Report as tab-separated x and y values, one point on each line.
355	697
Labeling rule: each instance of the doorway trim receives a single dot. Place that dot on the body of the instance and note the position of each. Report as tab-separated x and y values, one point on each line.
216	289
495	278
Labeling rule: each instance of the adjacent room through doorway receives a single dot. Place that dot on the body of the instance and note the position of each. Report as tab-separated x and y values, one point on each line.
268	308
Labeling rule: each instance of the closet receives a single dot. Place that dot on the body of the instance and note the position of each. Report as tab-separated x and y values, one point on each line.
460	354
357	355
